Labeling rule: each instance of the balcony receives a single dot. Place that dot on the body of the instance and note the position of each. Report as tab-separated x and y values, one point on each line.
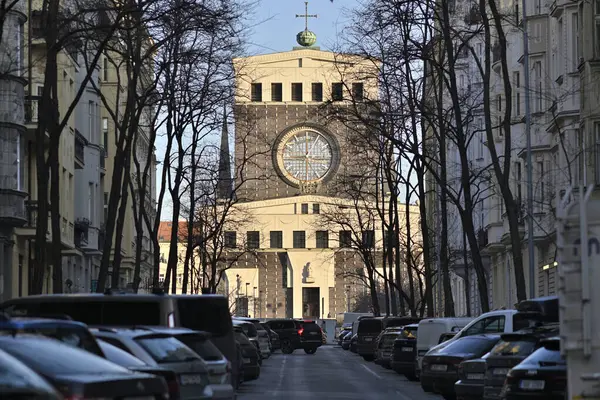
482	238
32	110
82	226
12	207
80	143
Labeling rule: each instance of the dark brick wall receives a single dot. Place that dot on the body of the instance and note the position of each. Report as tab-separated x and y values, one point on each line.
257	127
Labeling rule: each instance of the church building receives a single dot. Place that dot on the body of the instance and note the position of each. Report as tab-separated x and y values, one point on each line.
291	154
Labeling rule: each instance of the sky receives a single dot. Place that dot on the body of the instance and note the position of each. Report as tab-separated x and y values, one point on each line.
273	27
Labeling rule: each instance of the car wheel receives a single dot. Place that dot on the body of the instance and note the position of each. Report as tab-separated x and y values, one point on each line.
310	350
286	347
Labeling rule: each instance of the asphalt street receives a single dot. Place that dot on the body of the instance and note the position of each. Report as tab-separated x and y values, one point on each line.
331	373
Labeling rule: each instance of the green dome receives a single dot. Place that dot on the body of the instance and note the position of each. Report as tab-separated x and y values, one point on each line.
306	38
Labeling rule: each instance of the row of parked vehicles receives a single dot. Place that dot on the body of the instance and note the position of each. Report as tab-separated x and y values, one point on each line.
122	346
503	354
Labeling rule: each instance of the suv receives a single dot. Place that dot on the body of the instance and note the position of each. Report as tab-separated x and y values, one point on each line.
208	313
297	334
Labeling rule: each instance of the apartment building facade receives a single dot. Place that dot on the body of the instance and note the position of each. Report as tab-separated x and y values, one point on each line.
83	158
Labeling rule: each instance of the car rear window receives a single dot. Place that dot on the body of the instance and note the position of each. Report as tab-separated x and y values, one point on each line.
204	347
51	358
370	326
71	335
205	313
166	349
515	347
15	374
543	356
116	312
242	338
118	356
469	345
409	333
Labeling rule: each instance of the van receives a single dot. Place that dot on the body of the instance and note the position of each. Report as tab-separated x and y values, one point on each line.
369	330
431	330
209	313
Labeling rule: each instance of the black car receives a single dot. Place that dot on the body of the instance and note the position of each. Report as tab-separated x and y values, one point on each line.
508	353
542	375
297	334
18	381
404	352
273	337
77	373
369	330
343	334
471	379
250	356
440	367
385	346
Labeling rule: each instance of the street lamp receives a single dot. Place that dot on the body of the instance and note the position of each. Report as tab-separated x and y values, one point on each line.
247	284
254	301
348	297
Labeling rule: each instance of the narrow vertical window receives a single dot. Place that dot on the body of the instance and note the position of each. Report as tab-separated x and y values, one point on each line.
358	91
337	91
276	92
317	91
256	92
296	92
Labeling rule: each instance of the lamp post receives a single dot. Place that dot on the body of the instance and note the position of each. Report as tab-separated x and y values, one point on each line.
348	298
254	302
247	284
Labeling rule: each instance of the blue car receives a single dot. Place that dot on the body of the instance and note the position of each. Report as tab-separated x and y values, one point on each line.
69	332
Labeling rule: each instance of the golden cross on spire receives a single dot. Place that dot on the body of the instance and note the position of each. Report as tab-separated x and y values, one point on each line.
306	15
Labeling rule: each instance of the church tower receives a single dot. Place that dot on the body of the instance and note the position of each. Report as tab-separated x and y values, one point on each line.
290	154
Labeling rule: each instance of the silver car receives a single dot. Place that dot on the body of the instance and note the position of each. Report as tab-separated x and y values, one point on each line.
167	352
262	336
219	368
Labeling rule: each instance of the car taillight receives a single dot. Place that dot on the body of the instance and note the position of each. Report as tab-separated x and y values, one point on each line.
300	331
173	386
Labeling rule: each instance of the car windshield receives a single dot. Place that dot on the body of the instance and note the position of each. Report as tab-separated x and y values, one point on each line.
545	357
469	345
203	346
118	356
51	358
167	349
514	347
369	326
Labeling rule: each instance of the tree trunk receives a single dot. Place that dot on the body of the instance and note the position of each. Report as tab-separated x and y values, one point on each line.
117	257
373	292
467	276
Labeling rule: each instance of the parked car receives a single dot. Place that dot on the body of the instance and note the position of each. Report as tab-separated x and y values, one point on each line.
124	359
370	328
76	373
209	313
219	368
342	334
354	343
250	356
512	349
542	375
440	367
385	346
297	334
252	333
165	351
18	381
346	340
264	343
273	337
67	331
471	379
404	352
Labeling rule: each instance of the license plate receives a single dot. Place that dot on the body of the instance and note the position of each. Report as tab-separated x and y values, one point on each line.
407	349
526	384
368	339
439	367
313	333
475	377
246	360
500	371
139	398
191	379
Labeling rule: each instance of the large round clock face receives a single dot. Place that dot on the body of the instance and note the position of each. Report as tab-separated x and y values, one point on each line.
305	155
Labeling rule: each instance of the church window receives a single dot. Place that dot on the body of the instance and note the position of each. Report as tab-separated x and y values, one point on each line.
322	239
368	239
276	92
337	91
316	208
230	239
253	239
296	92
299	239
256	92
317	91
345	239
357	91
304	208
276	239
